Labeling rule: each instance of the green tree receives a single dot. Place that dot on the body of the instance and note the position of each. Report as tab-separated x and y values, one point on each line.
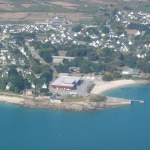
45	68
46	55
116	74
92	30
93	56
85	68
13	72
77	28
107	77
62	68
119	29
105	30
115	11
47	76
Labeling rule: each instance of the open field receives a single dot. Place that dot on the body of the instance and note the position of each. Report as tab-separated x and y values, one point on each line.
36	16
17	15
133	0
27	5
70	7
5	7
4	1
64	4
101	1
129	31
72	16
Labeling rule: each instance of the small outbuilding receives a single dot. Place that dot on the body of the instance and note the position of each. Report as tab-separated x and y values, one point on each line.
54	99
29	91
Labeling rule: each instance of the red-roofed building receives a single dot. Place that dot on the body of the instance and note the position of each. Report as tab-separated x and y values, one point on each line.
66	82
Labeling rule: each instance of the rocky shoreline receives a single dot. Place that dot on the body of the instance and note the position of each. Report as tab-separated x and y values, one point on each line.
70	106
75	106
45	103
86	105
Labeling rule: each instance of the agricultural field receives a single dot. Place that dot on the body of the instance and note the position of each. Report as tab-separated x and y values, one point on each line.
12	16
6	7
102	2
129	31
75	10
64	4
27	5
36	16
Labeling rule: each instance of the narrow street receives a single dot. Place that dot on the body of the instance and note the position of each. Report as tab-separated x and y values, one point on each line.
35	54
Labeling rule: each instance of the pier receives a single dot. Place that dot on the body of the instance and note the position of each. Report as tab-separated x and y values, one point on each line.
140	101
113	101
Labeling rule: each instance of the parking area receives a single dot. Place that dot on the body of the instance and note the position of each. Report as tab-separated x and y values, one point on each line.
80	89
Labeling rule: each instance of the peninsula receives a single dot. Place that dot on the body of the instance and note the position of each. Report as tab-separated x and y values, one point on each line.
78	103
70	52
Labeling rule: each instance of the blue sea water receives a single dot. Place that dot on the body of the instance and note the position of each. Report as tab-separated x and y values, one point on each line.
121	128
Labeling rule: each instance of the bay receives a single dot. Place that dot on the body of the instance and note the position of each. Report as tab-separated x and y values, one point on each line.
121	128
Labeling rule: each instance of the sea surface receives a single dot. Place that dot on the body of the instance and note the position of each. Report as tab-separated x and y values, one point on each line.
121	128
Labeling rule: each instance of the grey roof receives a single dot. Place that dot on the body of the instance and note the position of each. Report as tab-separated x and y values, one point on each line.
74	68
55	98
131	71
66	81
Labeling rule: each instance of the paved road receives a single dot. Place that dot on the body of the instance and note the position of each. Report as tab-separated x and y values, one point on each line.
35	54
117	101
81	89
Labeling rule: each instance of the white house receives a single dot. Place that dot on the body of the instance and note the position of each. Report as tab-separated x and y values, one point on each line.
130	71
138	33
8	86
130	43
118	42
44	86
33	86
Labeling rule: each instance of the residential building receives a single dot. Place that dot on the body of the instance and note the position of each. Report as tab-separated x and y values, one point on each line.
54	99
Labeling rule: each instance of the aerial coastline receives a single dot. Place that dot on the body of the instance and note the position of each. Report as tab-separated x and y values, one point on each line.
71	58
42	102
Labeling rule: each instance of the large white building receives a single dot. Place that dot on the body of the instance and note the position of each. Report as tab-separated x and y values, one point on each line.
59	59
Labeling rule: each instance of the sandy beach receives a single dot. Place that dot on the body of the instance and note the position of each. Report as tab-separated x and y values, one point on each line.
102	86
9	99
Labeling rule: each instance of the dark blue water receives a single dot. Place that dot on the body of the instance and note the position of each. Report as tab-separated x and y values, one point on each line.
122	128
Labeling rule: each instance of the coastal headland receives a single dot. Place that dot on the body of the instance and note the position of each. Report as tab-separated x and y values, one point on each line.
41	102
